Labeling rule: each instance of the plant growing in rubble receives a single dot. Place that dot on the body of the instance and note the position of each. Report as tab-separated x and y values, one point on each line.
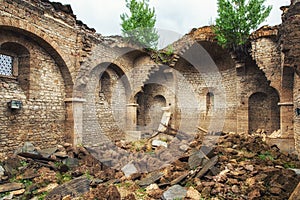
236	18
139	28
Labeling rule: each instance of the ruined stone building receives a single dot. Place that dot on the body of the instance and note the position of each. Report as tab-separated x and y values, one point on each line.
61	81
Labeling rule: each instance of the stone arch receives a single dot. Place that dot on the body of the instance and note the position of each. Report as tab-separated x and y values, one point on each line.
47	43
41	83
122	57
150	103
106	71
263	111
105	118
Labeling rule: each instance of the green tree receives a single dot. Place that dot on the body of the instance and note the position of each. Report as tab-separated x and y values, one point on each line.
236	18
139	26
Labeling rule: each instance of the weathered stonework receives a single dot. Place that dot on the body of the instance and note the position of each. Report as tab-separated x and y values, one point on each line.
78	86
290	38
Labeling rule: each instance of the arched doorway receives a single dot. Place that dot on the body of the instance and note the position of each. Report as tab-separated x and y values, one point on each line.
155	111
150	102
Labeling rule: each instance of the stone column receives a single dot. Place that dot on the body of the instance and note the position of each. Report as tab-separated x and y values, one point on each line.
131	117
286	118
74	120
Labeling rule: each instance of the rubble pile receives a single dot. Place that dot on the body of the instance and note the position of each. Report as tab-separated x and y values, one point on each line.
231	166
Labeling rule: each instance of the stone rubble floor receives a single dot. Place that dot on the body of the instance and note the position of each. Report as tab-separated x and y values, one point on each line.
237	166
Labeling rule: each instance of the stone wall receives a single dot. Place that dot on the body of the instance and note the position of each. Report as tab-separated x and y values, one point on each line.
290	37
206	68
41	90
265	50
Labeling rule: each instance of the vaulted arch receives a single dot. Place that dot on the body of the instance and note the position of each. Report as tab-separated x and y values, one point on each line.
43	40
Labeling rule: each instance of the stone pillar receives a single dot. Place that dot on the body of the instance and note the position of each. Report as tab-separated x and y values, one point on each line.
74	120
131	117
286	118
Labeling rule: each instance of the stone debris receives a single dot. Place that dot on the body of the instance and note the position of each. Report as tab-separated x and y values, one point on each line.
175	192
296	193
129	169
275	134
225	166
7	187
75	187
1	171
159	143
150	179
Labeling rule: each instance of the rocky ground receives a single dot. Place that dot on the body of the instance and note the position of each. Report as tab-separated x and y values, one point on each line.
230	166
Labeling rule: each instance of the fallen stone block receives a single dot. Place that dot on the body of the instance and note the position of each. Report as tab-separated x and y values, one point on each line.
150	179
207	166
296	193
129	169
75	187
7	187
174	192
158	143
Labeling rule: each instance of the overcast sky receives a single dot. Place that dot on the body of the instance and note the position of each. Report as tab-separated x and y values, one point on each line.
174	17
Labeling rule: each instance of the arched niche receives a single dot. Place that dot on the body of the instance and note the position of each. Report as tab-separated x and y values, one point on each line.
264	111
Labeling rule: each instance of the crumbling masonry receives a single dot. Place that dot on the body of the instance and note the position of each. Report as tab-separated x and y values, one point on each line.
78	86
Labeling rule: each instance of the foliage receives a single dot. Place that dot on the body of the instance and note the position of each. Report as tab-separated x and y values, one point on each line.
289	165
236	18
27	183
170	50
139	28
189	184
42	196
63	177
141	193
23	163
266	156
88	175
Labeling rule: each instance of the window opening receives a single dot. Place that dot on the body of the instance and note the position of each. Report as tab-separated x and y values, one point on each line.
6	65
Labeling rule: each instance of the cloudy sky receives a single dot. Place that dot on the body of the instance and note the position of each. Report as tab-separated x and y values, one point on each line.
173	17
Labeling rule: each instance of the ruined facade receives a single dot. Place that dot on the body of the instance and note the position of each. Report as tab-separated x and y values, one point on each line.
78	86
